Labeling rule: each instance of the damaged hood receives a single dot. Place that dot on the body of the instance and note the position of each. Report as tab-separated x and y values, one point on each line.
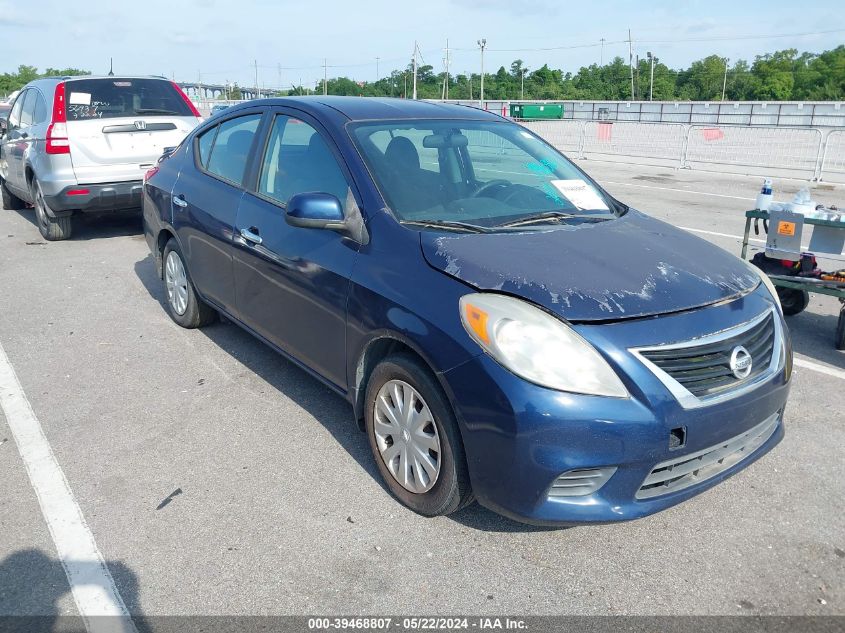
633	266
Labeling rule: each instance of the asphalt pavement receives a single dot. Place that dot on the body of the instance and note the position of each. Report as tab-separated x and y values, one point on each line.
218	478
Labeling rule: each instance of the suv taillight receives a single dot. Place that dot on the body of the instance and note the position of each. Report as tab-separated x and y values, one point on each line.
57	140
187	101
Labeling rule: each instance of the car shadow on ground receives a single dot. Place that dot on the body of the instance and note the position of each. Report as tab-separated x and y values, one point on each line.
95	226
330	409
812	337
32	583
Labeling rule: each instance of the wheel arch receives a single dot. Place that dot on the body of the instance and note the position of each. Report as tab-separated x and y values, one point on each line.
380	346
163	237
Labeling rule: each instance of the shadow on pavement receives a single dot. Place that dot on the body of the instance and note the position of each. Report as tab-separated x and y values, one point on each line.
95	226
812	336
32	584
330	409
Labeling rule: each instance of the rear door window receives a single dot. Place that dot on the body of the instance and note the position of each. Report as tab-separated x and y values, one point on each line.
230	149
15	115
114	98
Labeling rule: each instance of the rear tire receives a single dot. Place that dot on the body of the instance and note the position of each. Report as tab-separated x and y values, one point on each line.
183	304
10	200
52	229
449	490
792	300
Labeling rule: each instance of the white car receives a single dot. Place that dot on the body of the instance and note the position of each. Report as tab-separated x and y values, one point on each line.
83	144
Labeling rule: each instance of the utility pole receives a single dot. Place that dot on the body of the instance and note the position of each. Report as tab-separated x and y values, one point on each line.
602	52
415	71
522	84
631	62
446	79
257	93
325	77
482	43
725	80
377	75
280	76
653	59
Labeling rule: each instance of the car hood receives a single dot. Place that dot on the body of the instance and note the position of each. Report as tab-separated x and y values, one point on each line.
633	266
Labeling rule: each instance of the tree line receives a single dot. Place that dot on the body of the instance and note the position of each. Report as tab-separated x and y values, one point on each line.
783	75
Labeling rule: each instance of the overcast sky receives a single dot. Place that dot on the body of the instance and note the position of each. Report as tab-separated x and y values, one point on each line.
219	40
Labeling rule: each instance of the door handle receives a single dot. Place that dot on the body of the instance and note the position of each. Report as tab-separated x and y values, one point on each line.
179	201
251	235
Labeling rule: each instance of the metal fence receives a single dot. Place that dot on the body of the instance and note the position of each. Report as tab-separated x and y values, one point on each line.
643	140
833	157
749	113
794	152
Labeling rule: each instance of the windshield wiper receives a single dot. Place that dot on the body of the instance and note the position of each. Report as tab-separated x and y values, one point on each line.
551	216
448	224
156	111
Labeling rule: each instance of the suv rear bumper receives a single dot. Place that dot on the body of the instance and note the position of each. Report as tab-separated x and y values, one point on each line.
115	196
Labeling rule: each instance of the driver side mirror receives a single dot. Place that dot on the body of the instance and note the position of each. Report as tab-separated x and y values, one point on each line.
4	127
323	211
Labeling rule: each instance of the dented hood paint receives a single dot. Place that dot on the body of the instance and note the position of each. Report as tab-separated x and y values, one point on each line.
633	266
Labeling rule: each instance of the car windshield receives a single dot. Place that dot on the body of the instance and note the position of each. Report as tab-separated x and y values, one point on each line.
465	175
112	98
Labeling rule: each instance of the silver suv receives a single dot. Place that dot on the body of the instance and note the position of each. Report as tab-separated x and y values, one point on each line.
83	144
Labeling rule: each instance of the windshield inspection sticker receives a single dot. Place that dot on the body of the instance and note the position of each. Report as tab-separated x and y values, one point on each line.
580	194
80	98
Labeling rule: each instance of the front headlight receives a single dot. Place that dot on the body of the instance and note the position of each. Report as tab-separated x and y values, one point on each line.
769	285
536	346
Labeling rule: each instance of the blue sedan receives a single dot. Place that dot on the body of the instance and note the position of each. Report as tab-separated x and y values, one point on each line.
503	328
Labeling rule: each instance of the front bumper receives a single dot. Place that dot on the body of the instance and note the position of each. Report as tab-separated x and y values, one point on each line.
519	437
115	196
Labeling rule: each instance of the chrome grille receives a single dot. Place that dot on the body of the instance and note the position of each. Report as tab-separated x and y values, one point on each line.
699	371
687	470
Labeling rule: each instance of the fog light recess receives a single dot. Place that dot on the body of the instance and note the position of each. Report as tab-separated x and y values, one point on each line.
580	483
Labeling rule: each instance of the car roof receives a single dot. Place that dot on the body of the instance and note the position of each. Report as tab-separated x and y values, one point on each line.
52	81
378	108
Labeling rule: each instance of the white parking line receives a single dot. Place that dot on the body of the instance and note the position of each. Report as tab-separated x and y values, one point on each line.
90	581
697	193
822	369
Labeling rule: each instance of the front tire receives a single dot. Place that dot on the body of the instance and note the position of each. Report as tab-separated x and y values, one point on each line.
52	229
183	304
414	438
10	201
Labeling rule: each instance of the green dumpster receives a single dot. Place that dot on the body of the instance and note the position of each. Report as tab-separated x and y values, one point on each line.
531	111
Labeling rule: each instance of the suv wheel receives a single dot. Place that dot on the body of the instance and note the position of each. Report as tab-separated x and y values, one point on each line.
10	200
52	229
415	438
183	304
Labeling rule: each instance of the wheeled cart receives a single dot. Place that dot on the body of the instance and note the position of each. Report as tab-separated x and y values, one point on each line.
796	290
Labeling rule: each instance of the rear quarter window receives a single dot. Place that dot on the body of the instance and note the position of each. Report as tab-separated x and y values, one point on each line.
114	98
204	143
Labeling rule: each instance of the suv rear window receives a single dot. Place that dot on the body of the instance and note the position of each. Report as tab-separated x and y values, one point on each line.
113	97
